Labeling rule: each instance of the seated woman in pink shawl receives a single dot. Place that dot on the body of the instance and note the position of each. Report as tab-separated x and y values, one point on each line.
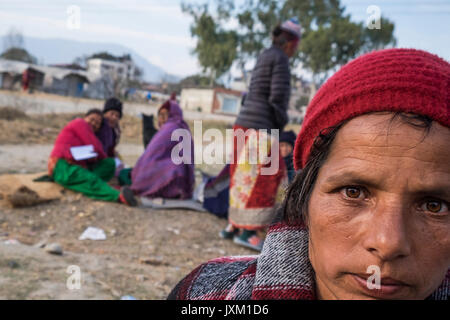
155	175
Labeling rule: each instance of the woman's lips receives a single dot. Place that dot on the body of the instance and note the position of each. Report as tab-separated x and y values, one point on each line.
388	286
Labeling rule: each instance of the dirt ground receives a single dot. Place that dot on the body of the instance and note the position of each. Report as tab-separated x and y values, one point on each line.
145	254
146	251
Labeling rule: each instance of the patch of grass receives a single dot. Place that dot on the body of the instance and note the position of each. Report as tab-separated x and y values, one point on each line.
9	113
54	120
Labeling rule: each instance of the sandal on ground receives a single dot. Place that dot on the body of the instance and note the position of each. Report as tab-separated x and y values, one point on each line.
225	234
252	241
127	197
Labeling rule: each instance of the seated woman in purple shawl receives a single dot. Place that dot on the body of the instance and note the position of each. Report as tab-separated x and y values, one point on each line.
155	175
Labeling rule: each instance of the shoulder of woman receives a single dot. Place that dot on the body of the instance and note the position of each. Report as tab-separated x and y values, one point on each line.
213	279
76	123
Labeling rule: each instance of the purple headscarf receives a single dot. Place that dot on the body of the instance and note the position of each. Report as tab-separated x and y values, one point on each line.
155	174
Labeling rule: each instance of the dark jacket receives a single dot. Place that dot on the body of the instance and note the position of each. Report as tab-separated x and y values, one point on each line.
288	160
109	137
266	104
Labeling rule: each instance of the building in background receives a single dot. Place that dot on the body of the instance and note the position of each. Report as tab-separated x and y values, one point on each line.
240	83
122	68
211	100
62	81
52	79
111	75
11	74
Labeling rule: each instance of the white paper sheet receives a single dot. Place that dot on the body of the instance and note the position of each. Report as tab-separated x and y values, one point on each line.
118	162
92	233
83	152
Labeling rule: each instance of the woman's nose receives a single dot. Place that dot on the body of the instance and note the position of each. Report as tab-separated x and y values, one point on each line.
386	232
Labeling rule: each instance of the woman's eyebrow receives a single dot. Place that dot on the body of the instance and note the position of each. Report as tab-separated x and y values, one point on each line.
350	177
435	191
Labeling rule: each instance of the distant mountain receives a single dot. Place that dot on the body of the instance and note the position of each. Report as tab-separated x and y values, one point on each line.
55	51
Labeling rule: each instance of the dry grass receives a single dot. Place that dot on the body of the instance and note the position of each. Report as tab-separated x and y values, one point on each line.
18	128
32	129
9	113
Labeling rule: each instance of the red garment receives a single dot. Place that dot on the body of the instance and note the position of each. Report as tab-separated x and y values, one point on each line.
25	80
76	133
396	80
253	196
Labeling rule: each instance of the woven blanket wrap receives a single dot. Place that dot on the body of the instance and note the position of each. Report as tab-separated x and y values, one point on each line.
282	271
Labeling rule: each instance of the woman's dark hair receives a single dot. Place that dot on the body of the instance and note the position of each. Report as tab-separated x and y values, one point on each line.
165	105
295	205
94	111
281	37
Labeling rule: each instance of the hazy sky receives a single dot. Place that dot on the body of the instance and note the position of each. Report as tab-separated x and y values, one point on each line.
159	31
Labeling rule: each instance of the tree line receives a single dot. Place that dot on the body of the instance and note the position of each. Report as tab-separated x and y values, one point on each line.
228	34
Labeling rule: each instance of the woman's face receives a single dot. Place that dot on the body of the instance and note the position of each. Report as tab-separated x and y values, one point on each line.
285	149
382	199
95	121
163	115
113	117
291	48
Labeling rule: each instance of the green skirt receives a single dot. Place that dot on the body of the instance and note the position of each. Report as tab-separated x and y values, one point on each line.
91	182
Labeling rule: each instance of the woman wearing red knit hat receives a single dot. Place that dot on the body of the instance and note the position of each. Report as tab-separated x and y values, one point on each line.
368	215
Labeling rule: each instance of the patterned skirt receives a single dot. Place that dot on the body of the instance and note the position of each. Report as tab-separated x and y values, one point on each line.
256	185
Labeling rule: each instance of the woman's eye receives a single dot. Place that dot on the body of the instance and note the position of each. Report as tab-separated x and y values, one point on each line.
352	192
434	206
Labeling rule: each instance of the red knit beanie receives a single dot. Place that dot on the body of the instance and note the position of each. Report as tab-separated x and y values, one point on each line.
405	80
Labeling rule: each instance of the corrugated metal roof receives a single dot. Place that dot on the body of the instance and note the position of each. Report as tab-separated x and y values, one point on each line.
11	66
18	67
61	73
